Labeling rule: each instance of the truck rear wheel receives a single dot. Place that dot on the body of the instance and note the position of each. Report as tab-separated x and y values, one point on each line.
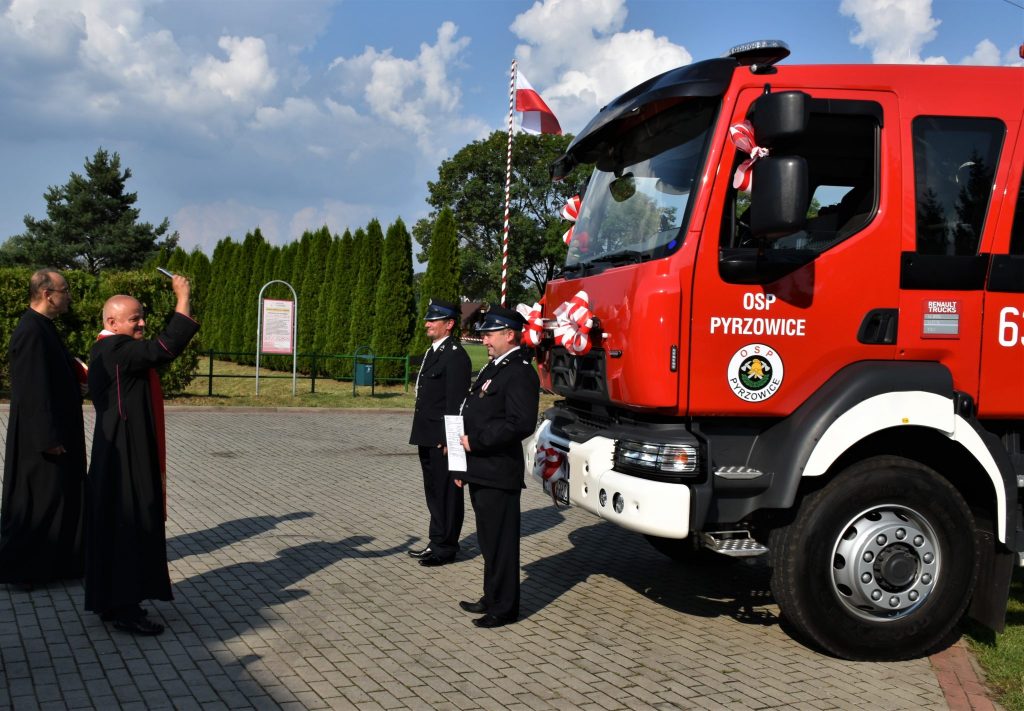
878	564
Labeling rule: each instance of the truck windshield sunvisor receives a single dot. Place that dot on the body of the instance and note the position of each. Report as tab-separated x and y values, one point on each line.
703	79
638	198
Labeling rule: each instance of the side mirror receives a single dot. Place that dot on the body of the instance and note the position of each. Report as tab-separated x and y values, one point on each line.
778	198
780	115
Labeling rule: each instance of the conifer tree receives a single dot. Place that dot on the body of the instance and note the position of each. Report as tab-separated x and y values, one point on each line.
177	261
326	296
342	283
312	287
395	307
441	280
198	270
365	296
218	303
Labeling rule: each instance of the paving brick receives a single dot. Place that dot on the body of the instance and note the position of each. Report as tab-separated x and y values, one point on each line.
286	540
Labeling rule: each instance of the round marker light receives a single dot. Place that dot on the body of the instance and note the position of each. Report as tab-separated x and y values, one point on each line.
618	503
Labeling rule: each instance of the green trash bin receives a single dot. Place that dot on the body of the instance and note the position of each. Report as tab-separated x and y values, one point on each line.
364	373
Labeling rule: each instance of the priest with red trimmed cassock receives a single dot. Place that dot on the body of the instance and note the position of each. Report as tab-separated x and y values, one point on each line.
126	550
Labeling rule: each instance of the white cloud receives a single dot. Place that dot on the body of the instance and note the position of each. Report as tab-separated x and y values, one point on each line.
894	30
410	94
578	57
246	74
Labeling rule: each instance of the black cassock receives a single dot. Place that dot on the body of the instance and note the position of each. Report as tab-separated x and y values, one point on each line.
41	516
500	412
126	549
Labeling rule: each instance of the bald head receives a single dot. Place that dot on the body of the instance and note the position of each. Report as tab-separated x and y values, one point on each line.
123	316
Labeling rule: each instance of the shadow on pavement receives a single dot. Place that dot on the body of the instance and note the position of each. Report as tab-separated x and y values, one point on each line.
225	534
738	589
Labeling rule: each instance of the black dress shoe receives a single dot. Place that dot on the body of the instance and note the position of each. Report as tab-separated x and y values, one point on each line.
475	607
488	621
434	560
419	552
139	625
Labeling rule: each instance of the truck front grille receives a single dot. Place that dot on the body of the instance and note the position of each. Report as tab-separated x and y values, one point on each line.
579	376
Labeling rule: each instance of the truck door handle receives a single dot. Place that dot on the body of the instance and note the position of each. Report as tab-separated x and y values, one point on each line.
879	327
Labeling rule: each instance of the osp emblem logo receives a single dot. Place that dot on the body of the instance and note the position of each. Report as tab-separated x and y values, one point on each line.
755	372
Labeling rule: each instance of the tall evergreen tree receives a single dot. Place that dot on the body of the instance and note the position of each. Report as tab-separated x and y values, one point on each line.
177	261
365	297
91	224
342	283
312	287
394	313
219	301
441	280
326	297
243	325
198	270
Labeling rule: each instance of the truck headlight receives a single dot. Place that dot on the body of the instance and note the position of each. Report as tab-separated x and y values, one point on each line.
656	458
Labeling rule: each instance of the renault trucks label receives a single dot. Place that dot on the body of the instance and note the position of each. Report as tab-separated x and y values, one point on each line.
755	372
941	318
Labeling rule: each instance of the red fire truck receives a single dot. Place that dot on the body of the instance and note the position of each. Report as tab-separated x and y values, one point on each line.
827	368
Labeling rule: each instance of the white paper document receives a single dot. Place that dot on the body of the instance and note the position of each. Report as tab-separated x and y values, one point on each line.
452	435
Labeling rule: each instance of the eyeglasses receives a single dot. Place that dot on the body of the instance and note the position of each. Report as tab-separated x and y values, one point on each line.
65	290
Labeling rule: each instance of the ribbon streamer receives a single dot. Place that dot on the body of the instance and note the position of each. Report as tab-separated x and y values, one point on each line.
570	212
742	135
573	321
534	329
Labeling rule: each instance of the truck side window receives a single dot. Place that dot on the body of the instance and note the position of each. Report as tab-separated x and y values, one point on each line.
841	150
954	167
1017	231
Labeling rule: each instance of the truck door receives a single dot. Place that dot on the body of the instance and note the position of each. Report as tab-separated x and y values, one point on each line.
772	320
943	276
1001	394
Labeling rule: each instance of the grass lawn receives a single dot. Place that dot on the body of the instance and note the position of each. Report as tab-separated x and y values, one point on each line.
1003	658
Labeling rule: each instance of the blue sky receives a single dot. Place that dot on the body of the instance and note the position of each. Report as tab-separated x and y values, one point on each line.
292	114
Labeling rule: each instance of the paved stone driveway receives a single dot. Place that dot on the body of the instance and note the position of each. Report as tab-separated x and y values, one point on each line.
287	534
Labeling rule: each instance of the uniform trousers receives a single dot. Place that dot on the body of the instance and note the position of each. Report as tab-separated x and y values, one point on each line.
445	502
497	530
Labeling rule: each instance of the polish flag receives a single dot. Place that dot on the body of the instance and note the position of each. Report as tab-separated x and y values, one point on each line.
537	117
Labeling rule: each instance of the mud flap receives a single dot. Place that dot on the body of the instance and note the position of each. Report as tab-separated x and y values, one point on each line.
992	588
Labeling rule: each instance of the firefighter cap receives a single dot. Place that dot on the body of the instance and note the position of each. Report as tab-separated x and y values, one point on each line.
439	310
497	318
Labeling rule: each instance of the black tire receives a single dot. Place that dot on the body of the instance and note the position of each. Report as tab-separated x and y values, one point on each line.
880	564
685	551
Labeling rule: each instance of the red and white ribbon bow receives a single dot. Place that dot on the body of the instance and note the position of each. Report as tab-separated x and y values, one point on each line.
534	328
573	321
548	462
742	135
570	212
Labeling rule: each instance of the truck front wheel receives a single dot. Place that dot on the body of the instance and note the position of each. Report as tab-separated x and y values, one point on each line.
878	564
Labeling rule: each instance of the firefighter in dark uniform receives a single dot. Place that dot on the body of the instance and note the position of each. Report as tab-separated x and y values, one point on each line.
499	413
440	389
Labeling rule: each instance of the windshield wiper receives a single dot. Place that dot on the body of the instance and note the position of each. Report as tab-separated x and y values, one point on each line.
625	256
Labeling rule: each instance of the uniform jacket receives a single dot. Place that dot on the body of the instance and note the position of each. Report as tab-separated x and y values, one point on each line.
440	389
500	412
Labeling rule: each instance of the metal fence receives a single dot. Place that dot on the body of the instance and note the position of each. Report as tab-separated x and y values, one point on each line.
364	369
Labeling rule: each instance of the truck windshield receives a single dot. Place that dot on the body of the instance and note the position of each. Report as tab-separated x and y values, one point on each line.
635	207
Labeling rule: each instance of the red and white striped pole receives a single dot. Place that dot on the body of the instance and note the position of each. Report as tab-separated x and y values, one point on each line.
508	184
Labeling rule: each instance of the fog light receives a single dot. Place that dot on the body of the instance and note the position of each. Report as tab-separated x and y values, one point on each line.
618	503
602	497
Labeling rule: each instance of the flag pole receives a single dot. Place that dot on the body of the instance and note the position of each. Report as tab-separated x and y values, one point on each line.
508	184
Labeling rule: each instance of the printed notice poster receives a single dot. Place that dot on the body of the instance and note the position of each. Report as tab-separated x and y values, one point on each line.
452	439
278	325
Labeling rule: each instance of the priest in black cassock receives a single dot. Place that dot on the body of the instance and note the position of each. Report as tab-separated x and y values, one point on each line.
126	549
44	464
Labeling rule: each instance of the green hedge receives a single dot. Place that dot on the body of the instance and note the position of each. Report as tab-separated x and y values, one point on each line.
83	321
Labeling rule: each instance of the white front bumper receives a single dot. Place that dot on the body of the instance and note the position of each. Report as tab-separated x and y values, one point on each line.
650	507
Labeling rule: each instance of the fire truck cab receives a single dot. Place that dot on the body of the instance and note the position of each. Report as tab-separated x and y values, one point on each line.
828	367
